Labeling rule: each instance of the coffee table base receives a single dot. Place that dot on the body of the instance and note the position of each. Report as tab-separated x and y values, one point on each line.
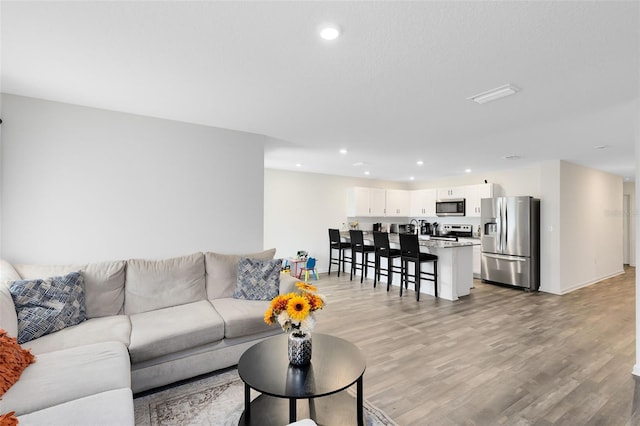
336	409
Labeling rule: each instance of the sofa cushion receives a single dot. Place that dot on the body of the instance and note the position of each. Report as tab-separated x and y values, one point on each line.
104	288
242	317
62	376
8	272
157	284
103	284
116	328
258	279
222	271
47	305
13	360
8	315
113	407
174	329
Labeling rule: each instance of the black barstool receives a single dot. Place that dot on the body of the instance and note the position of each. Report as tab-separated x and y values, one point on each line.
336	243
410	249
381	244
358	246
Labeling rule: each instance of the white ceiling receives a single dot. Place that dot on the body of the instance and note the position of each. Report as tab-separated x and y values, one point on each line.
391	90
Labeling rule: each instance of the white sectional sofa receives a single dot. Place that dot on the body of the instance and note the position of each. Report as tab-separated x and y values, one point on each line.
149	323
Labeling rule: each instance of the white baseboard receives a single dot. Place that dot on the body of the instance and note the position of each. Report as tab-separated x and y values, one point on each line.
591	282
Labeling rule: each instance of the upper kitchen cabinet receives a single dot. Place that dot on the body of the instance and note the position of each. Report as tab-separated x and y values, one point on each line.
473	195
423	203
451	193
365	202
398	202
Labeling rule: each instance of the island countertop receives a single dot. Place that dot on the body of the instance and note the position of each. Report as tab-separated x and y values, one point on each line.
395	239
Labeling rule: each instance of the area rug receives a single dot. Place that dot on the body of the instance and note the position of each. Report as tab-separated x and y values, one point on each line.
216	400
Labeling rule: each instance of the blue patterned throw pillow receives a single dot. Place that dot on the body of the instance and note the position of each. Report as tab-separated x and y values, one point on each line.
258	279
47	305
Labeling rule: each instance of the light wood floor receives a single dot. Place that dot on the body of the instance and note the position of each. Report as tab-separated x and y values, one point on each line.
497	357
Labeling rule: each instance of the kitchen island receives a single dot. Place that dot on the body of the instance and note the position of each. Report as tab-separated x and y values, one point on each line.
455	265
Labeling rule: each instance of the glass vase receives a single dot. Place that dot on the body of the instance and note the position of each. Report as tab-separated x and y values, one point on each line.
299	349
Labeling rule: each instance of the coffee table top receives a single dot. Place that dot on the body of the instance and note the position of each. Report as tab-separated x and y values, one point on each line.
335	365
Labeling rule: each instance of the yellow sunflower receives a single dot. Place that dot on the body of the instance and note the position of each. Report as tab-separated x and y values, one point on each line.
298	308
268	316
306	286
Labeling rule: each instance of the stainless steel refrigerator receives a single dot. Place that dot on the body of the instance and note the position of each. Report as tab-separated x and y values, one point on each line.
510	235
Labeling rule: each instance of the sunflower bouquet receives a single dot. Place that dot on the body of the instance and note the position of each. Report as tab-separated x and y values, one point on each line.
294	311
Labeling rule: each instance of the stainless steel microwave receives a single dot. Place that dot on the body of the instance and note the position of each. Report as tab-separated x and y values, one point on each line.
450	207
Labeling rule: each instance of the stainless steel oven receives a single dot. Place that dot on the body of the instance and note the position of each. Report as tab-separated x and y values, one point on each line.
450	207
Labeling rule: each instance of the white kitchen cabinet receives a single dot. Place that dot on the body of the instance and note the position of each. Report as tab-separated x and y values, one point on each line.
423	203
365	202
377	201
397	202
473	195
451	193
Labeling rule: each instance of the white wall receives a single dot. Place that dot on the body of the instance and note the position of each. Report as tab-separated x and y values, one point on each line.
82	184
299	209
591	226
629	188
550	264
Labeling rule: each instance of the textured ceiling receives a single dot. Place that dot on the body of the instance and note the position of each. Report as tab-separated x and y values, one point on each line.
391	90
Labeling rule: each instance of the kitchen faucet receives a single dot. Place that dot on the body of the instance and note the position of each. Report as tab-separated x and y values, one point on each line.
417	225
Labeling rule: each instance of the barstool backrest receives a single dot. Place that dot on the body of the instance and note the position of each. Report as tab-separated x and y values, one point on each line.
334	235
381	240
409	245
356	238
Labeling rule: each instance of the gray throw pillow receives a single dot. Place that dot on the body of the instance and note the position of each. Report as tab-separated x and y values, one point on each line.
47	305
258	279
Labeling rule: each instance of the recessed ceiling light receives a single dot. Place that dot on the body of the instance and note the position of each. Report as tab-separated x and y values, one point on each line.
412	178
359	163
419	162
366	172
343	151
467	170
298	165
511	157
494	94
330	32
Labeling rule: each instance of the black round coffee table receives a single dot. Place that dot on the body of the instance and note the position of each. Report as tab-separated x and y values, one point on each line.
335	365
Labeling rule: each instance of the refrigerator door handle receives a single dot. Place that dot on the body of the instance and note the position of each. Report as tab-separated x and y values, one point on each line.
506	257
499	224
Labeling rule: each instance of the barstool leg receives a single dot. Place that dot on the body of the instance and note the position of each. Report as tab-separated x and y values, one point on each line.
376	269
417	285
403	265
435	278
353	263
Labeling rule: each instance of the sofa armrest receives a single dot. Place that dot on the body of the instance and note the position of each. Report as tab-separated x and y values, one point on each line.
287	283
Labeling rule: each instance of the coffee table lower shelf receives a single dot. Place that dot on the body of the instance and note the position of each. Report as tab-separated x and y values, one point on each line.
337	409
